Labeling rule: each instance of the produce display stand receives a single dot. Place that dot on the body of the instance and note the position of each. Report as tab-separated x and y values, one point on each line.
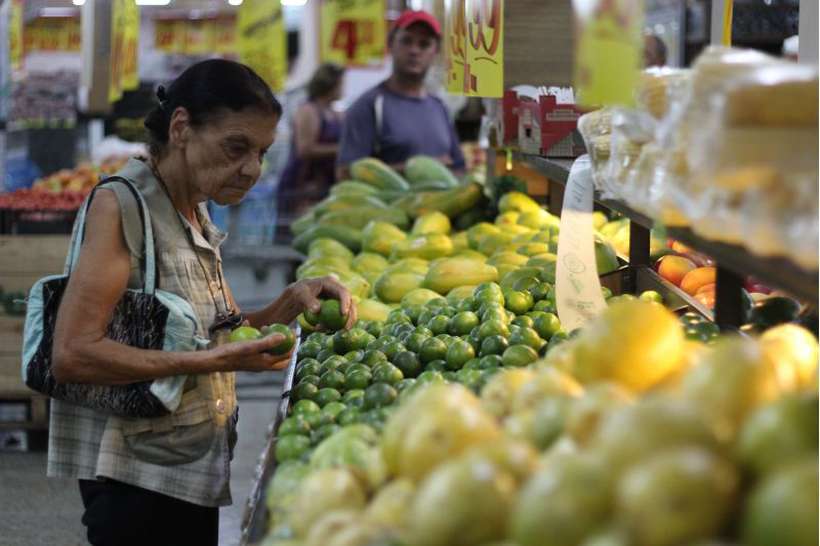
733	262
255	517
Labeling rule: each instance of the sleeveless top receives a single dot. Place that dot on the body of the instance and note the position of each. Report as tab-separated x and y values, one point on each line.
319	174
185	455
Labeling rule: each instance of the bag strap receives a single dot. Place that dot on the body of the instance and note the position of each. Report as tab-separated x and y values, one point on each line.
78	234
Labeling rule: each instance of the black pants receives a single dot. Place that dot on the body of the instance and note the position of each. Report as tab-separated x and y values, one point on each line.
118	514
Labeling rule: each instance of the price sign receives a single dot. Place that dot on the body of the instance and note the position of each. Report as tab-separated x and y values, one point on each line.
196	38
261	40
169	35
16	34
474	48
353	32
118	16
52	34
578	295
222	35
609	51
130	46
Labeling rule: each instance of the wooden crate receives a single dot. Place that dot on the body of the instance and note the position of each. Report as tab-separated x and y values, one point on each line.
27	258
11	342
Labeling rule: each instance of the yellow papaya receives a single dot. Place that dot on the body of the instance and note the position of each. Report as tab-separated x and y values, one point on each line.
517	201
452	272
393	285
432	222
428	247
381	237
421	168
378	174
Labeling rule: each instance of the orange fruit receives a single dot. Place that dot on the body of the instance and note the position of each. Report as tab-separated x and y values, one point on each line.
675	268
698	278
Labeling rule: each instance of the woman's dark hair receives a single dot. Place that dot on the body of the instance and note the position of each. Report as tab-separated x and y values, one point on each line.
205	90
324	80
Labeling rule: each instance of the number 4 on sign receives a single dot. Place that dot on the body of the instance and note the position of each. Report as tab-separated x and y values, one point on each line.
349	35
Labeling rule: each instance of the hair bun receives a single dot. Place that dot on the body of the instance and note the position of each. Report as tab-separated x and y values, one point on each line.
162	94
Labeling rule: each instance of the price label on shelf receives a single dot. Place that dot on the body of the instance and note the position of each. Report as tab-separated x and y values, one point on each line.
261	40
578	295
474	47
353	32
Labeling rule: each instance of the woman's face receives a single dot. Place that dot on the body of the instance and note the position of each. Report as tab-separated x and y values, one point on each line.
223	157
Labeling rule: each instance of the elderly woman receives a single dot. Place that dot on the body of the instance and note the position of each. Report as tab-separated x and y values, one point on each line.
161	481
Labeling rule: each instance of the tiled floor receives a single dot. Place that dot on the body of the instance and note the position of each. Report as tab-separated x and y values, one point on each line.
37	511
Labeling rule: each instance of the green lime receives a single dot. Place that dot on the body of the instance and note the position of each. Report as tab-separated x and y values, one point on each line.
472	379
458	354
374	328
308	366
324	354
518	302
333	379
534	316
493	328
546	306
309	379
523	321
546	325
387	373
397	316
323	432
527	336
500	316
405	384
432	349
333	409
450	376
353	398
430	376
490	361
244	333
354	339
436	303
295	424
316	337
326	396
309	349
425	317
462	323
439	324
557	338
333	363
472	364
541	291
401	330
485	296
606	292
291	447
518	356
414	341
691	318
359	379
348	417
354	356
357	367
392	349
424	330
286	344
525	284
330	315
305	391
438	365
467	304
318	419
493	345
373	357
378	395
305	407
409	364
651	295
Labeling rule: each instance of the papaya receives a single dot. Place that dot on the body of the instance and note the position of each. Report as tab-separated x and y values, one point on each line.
338	203
381	237
428	247
414	265
451	202
355	283
453	272
460	241
422	168
378	174
350	237
393	285
319	267
479	231
491	243
605	257
517	201
508	280
432	186
459	293
325	246
507	218
511	258
537	219
352	187
373	310
432	222
533	249
359	217
472	254
418	296
367	262
301	224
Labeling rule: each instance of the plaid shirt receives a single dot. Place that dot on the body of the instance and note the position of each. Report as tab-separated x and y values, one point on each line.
85	444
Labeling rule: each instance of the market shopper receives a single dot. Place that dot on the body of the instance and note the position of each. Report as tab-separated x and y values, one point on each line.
310	171
398	118
160	481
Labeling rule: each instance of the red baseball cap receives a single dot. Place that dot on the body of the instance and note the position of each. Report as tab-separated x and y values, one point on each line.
411	17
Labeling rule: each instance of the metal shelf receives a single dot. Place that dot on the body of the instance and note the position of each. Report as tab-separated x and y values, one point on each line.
733	262
255	518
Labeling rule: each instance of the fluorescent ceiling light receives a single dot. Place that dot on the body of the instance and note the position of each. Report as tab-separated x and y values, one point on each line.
153	2
294	2
78	2
235	2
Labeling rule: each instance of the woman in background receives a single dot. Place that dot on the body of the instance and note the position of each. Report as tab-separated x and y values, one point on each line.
309	173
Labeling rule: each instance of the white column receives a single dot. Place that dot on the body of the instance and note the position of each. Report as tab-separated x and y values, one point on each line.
716	28
808	32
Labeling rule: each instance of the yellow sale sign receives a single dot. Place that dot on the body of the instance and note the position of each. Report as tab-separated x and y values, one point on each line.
123	75
16	34
474	47
353	32
261	40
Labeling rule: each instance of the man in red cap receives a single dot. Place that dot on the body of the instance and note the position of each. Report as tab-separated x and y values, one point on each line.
398	118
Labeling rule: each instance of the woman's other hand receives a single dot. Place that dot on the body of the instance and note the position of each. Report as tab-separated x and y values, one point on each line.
305	295
250	356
